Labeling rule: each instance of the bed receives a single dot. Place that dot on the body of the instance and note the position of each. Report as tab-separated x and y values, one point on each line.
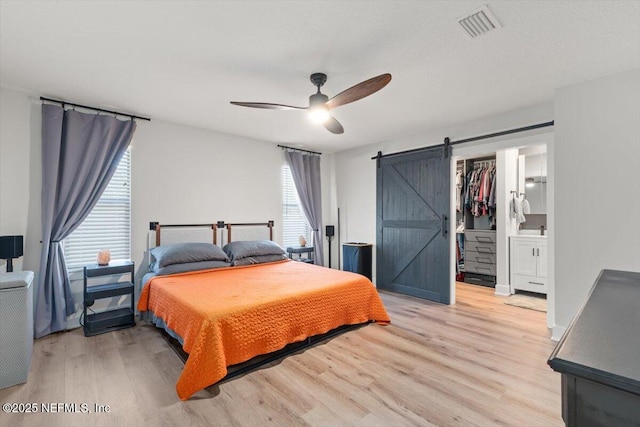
255	302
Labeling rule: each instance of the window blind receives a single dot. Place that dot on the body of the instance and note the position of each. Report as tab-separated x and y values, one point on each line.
294	223
108	226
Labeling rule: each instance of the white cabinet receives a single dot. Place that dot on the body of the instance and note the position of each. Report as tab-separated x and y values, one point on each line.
528	263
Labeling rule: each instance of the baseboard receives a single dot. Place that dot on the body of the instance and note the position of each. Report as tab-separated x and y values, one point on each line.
73	323
557	332
503	290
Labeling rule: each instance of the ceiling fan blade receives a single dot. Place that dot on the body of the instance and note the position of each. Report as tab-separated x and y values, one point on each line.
359	91
267	106
333	126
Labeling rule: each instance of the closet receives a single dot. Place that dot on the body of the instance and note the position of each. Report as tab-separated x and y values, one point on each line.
476	220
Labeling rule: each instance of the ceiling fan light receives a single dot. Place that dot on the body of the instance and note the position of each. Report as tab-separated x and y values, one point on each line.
319	114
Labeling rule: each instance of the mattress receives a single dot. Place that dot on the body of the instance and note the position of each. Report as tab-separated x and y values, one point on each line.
230	315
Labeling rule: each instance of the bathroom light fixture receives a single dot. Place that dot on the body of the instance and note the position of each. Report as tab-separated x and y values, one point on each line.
529	182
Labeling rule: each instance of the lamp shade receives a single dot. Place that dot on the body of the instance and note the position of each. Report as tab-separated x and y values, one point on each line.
11	247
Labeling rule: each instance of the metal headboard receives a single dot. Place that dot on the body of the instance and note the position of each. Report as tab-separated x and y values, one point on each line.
219	225
157	227
231	226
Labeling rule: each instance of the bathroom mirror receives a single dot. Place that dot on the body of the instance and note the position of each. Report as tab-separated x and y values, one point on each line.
536	182
536	194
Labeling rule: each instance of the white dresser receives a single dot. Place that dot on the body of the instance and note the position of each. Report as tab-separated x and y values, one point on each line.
528	263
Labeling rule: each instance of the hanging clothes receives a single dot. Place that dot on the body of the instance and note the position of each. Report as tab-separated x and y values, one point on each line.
492	191
479	194
460	191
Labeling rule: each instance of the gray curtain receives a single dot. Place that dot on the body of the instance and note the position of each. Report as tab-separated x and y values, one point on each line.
80	154
305	170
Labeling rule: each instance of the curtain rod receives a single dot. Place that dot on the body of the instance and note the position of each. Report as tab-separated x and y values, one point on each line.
284	147
63	103
475	138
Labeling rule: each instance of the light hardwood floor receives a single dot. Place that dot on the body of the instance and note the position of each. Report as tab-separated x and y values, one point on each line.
477	363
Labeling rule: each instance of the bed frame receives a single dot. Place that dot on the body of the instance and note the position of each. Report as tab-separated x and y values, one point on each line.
265	359
261	360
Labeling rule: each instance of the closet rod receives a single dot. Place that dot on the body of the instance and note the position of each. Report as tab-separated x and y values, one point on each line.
284	147
102	110
484	159
475	138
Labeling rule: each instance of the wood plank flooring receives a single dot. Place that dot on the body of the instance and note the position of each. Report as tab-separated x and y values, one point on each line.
477	363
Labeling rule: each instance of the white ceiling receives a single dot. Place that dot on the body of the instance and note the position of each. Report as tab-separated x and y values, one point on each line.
184	61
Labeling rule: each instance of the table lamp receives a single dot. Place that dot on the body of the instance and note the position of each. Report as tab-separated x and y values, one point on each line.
11	247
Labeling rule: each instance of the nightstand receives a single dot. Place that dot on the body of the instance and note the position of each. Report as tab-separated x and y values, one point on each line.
301	250
115	318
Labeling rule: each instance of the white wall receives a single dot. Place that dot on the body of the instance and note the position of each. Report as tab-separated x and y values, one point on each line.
551	239
535	165
20	175
597	185
181	174
507	169
329	207
356	172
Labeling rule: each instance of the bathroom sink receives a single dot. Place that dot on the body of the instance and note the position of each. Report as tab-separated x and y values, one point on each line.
530	232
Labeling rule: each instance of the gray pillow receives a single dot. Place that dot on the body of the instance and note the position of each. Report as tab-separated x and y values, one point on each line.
251	248
180	253
191	266
259	259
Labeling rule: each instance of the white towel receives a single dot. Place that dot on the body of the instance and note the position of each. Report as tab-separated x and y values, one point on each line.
516	211
526	209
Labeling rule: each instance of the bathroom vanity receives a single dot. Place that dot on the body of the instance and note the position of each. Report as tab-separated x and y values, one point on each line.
528	263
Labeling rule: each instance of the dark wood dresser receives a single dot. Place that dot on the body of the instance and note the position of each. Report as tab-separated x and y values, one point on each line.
599	355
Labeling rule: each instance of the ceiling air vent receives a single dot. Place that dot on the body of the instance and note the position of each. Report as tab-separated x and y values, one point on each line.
479	22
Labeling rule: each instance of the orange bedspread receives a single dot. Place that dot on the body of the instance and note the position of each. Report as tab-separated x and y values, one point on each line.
229	315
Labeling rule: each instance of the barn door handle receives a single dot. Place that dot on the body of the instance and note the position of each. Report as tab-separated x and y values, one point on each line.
444	225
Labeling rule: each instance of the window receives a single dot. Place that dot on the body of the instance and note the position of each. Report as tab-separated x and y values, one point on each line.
108	226
294	223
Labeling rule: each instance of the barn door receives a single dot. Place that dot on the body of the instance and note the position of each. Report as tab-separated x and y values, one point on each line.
412	247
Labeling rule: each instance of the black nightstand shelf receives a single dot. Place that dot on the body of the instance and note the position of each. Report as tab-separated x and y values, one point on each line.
302	250
112	319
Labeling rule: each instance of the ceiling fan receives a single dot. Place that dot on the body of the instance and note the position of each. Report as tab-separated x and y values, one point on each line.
320	104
